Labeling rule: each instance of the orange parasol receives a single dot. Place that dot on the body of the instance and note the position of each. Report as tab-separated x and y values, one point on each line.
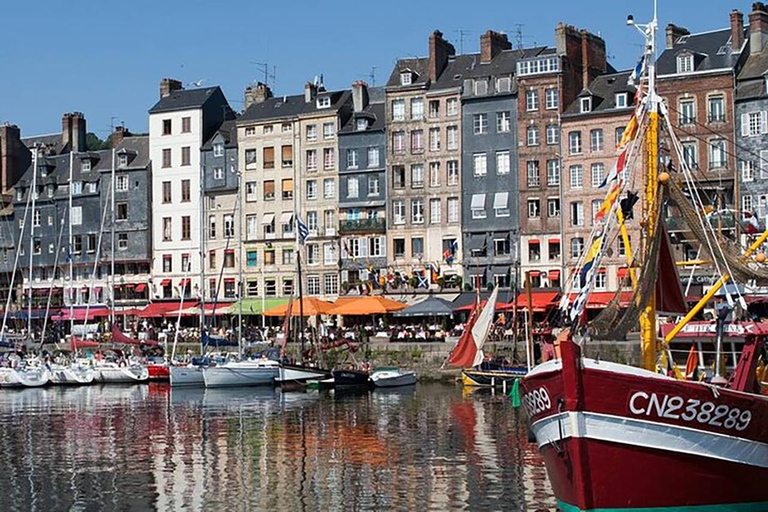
310	305
365	305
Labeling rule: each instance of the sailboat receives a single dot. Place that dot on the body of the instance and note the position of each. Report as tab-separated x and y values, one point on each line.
615	437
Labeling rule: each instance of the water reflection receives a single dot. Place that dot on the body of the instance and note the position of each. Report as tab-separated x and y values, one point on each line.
153	448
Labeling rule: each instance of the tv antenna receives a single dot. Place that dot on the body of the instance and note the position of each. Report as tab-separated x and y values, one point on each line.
462	33
270	77
372	76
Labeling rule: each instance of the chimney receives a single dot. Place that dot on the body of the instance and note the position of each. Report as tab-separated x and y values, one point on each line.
737	30
66	131
758	28
439	51
491	44
257	94
310	92
118	135
584	59
359	96
78	132
169	85
14	156
674	32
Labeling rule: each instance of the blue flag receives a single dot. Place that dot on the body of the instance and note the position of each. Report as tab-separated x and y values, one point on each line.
301	229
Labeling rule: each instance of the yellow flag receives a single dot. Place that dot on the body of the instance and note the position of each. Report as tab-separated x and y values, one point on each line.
629	131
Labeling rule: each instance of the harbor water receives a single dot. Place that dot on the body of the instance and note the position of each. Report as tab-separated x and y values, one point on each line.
150	447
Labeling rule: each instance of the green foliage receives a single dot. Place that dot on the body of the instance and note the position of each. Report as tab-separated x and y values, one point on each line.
94	143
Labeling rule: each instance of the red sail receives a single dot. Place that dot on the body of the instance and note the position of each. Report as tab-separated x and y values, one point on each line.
119	337
669	292
463	355
76	343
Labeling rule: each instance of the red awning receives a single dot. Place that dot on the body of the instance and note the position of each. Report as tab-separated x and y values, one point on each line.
129	285
141	287
159	309
554	240
97	289
601	271
184	282
622	272
541	300
533	242
79	313
599	300
534	273
554	275
165	282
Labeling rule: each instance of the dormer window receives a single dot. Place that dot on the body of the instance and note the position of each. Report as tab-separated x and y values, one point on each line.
122	160
323	102
362	124
218	149
481	87
51	190
85	165
621	100
586	104
685	63
406	78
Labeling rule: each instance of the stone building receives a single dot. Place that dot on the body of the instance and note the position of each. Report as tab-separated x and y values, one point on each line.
363	190
548	81
489	177
598	115
423	163
15	158
302	131
179	124
751	118
222	216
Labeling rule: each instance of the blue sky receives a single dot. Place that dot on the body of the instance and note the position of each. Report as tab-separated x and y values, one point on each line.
106	58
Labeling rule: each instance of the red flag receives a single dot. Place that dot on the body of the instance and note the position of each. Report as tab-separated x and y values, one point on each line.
692	364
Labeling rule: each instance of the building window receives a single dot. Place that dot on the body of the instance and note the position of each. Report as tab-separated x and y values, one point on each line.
434	139
747	171
398	110
250	131
166	158
501	204
417	176
185	191
577	247
398	176
311	132
553	173
122	184
373	157
690	154
311	190
577	176
531	100
501	246
417	247
76	214
330	256
287	189
685	63
552	100
503	122
534	250
398	247
211	227
717	157
747	204
417	211
434	109
477	206
250	191
452	106
596	140
479	164
121	211
167	263
398	142
687	111
313	285
85	165
586	104
453	172
622	247
435	211
716	108
353	187
532	135
553	207
313	254
453	209
329	188
553	134
373	186
598	174
331	284
480	123
269	190
186	227
329	158
186	124
596	206
417	141
534	209
600	280
577	213
353	158
417	109
434	174
286	153
166	126
502	162
229	226
452	135
754	123
398	211
481	87
329	130
574	143
534	180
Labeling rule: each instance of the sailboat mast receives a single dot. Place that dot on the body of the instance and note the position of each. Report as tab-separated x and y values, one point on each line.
240	283
201	225
648	338
33	191
112	234
71	253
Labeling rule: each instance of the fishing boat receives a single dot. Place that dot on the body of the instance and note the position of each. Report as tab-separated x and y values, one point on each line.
351	378
252	372
393	378
619	438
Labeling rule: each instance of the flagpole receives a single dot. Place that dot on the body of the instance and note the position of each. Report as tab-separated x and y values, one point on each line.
301	288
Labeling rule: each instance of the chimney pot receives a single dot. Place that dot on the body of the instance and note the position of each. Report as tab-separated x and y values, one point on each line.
439	52
310	92
256	94
674	32
359	96
758	28
169	85
737	30
491	44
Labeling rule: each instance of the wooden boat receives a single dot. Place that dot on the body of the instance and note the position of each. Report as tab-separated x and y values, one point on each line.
392	378
348	378
492	377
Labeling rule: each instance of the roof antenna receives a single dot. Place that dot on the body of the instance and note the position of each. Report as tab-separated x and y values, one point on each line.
462	33
263	68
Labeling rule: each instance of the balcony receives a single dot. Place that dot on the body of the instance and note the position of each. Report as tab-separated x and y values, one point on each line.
363	226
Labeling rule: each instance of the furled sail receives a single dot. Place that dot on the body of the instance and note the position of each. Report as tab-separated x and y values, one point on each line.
119	337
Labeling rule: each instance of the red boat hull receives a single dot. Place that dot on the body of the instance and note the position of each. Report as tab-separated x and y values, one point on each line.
616	438
159	372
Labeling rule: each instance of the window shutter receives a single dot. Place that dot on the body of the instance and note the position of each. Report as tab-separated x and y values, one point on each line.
764	163
363	247
763	122
744	125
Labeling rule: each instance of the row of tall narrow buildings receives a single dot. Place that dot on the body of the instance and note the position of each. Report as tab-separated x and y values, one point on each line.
463	170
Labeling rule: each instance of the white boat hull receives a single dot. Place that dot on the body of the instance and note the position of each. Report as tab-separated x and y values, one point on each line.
240	374
122	374
187	376
72	375
26	378
393	379
288	374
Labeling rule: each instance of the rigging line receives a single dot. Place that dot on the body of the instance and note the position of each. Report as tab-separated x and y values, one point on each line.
15	264
696	166
96	261
53	278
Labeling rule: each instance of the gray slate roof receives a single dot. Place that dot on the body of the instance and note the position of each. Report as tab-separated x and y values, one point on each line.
228	130
186	99
374	111
711	50
603	90
287	107
750	83
52	141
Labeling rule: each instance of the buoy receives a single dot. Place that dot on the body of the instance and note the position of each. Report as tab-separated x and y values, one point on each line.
760	258
664	178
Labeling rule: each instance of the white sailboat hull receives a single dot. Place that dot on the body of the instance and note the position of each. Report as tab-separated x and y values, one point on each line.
72	375
393	379
187	376
122	374
242	373
26	378
288	374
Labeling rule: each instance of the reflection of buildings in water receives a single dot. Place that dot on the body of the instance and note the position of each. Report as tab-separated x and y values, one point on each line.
538	490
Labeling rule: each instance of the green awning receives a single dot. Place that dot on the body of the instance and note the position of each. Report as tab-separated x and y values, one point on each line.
255	306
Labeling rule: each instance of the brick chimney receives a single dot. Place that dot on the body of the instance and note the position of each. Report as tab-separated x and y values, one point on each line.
169	85
737	30
78	132
439	52
120	133
256	94
491	44
310	92
14	156
359	96
758	28
673	32
66	131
